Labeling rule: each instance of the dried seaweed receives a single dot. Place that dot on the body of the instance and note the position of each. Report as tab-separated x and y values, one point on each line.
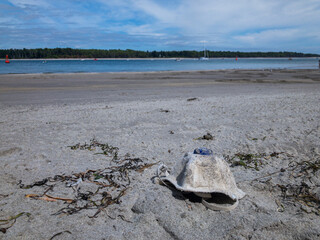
107	149
3	196
306	166
9	222
192	99
301	193
109	185
141	169
59	233
39	183
249	160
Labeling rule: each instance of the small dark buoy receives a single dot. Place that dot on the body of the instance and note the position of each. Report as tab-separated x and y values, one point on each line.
7	59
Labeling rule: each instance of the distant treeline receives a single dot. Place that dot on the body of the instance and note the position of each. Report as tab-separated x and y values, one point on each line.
128	53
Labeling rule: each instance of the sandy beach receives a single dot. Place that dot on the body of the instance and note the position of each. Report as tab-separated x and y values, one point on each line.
265	124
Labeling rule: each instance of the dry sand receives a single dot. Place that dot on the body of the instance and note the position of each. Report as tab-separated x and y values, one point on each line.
148	116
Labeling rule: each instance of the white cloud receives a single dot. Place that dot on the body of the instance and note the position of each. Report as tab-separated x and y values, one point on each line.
252	21
118	10
224	24
146	30
164	15
275	35
26	3
245	14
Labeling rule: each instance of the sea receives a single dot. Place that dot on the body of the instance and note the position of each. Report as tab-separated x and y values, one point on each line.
149	65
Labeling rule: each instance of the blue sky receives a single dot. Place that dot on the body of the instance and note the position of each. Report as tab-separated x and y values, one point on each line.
244	25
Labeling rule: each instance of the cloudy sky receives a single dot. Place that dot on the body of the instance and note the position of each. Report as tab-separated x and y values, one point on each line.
244	25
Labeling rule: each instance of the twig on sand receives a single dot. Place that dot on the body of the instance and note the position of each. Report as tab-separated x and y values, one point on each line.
48	198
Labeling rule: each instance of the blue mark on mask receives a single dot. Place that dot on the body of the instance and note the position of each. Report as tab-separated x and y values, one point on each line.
203	151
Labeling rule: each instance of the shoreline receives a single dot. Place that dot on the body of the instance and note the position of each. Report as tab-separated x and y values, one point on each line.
173	58
171	71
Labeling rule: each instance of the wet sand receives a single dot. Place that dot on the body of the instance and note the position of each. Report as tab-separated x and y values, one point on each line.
74	87
271	115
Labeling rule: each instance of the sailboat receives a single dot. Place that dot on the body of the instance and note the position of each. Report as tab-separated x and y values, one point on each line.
205	57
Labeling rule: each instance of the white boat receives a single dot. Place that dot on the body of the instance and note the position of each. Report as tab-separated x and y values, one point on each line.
205	57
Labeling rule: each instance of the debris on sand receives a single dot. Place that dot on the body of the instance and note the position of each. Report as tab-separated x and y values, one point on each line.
107	150
207	136
9	222
249	160
207	176
48	198
303	190
164	110
59	233
297	186
107	186
303	194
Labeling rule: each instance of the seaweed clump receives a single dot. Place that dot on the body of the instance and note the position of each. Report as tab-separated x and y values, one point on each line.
249	160
107	150
106	186
301	191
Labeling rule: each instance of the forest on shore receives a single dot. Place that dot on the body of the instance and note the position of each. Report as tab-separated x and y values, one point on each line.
128	53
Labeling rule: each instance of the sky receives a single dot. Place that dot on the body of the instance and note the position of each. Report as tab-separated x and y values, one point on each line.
217	25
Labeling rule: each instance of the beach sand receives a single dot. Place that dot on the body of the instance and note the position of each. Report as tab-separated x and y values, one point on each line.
267	119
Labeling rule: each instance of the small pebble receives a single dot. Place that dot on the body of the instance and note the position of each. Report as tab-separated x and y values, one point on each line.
183	215
208	136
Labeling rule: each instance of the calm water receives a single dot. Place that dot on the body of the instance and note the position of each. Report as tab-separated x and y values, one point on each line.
73	66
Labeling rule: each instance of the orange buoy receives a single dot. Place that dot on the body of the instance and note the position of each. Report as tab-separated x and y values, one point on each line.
7	59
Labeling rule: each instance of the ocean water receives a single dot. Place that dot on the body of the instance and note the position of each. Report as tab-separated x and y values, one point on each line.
147	65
